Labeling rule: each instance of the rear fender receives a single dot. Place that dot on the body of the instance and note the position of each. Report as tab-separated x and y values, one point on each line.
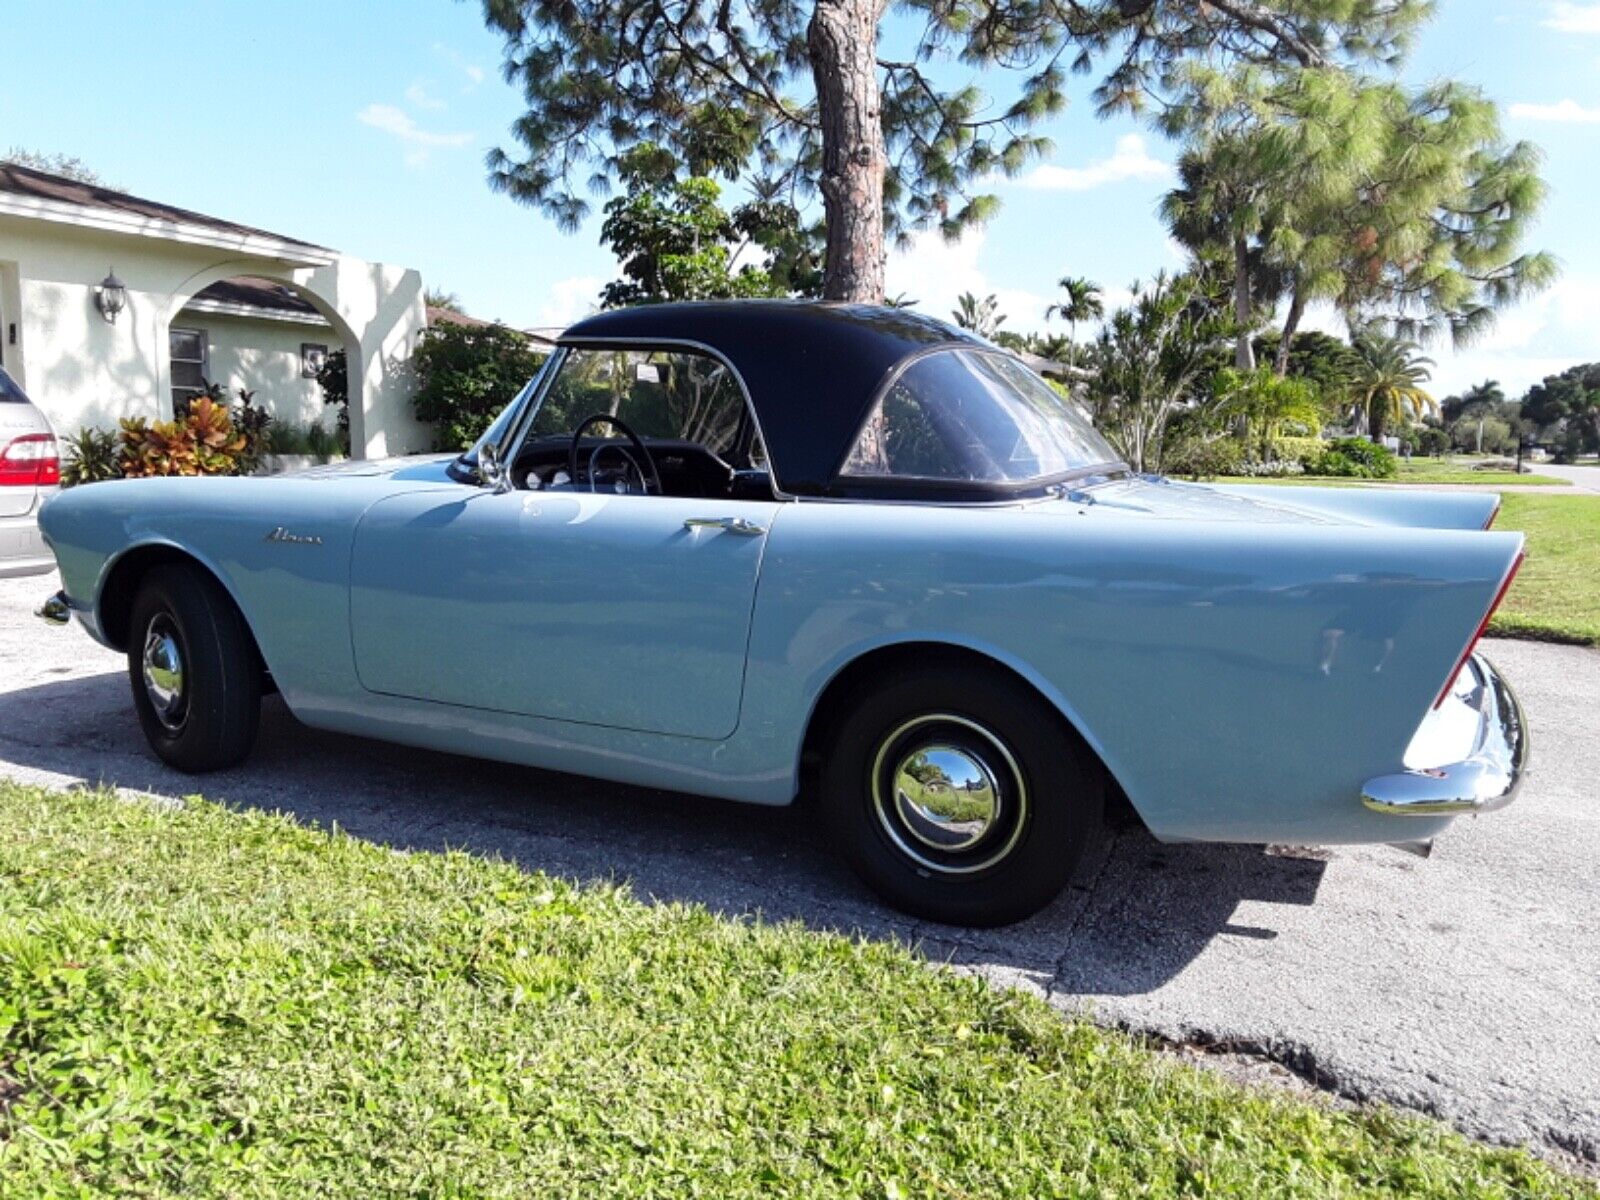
1240	681
1408	508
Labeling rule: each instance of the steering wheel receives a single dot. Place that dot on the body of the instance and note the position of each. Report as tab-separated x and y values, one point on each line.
645	479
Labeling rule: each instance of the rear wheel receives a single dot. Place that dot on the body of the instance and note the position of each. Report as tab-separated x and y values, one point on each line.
192	665
959	795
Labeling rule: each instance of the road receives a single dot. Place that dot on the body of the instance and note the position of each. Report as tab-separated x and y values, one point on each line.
1463	985
1584	479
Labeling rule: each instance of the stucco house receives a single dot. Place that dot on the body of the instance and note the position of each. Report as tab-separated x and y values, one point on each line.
200	298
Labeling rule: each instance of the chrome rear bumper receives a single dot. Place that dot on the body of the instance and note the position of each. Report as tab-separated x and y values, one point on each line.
1486	779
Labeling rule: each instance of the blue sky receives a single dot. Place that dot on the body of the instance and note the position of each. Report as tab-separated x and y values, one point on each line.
363	126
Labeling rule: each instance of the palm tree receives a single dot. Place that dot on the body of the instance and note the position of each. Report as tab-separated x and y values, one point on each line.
982	317
1389	375
1082	304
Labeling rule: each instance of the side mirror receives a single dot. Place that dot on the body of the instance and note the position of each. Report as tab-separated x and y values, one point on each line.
491	470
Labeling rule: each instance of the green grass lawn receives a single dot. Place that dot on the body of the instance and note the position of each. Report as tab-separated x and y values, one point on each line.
1557	593
199	1002
1424	472
1428	470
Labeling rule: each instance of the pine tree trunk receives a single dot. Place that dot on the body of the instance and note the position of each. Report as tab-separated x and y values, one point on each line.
1244	355
1297	309
843	39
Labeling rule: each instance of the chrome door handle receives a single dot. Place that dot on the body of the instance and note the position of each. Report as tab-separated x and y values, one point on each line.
732	524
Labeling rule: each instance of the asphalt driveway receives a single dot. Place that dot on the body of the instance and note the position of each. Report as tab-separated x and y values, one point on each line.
1464	985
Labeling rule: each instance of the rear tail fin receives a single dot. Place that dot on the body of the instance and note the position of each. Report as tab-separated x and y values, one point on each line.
1483	625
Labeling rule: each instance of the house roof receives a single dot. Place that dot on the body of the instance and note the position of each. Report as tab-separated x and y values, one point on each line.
25	182
437	315
257	293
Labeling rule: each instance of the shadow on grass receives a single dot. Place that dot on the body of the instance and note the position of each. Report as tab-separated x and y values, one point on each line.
1137	914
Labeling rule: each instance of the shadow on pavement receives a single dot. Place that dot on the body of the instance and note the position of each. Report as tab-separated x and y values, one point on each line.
1138	913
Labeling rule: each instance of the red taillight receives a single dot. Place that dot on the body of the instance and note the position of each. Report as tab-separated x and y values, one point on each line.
30	461
1505	586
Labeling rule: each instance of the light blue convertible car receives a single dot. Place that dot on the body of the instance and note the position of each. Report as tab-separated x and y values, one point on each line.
758	550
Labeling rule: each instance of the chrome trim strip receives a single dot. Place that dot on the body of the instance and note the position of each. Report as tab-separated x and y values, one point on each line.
1485	780
731	524
56	610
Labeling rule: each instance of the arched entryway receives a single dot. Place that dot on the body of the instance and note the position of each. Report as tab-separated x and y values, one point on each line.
259	339
266	326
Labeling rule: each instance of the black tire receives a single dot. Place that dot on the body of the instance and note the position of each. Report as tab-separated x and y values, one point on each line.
1041	820
210	721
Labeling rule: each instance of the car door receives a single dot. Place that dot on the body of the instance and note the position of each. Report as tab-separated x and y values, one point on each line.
628	611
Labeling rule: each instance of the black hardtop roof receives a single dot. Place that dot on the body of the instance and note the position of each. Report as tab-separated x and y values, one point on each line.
811	367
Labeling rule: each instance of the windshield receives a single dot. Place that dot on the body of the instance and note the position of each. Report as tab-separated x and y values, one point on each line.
500	427
976	417
671	394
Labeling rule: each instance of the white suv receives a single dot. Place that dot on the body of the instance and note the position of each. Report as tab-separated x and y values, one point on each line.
30	473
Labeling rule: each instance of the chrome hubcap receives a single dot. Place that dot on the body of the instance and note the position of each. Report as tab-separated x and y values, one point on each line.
947	796
163	672
948	793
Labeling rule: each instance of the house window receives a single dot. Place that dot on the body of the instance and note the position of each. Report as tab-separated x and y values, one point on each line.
187	350
313	357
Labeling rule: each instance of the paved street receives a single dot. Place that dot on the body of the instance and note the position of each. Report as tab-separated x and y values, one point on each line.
1464	985
1583	479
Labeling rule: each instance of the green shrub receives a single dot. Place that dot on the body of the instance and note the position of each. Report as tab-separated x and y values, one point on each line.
286	437
1296	449
254	424
465	375
334	380
1208	459
202	441
1433	442
312	439
91	456
323	443
1354	458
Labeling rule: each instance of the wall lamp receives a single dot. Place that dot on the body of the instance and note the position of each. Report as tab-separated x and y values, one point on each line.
111	297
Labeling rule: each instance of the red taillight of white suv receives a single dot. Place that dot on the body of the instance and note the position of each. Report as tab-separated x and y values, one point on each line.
30	461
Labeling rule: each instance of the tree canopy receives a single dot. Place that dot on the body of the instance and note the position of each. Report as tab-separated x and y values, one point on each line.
806	97
1320	184
676	242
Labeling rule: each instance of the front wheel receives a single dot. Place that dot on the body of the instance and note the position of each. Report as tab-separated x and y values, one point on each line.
960	796
192	664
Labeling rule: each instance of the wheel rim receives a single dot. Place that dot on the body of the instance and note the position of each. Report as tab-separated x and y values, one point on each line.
948	793
164	674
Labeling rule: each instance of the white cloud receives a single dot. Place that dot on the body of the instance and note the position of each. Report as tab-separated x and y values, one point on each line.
1130	160
419	142
1574	18
933	273
474	73
1541	336
420	97
568	300
1566	111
